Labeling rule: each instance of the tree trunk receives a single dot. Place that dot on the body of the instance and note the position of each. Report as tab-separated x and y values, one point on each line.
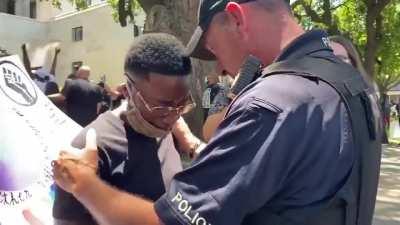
386	116
372	44
179	17
374	28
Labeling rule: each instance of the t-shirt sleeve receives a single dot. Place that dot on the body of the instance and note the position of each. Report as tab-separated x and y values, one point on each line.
66	90
235	174
66	206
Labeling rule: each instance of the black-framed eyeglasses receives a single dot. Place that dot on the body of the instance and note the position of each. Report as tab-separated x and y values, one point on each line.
187	106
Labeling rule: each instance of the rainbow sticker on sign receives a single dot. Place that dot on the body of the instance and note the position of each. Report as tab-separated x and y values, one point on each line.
33	130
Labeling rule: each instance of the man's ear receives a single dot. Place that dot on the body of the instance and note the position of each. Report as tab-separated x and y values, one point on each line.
235	12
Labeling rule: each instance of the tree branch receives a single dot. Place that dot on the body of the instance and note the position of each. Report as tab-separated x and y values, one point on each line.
381	4
310	12
148	4
327	16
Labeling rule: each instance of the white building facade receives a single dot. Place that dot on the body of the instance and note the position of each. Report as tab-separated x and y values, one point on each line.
90	37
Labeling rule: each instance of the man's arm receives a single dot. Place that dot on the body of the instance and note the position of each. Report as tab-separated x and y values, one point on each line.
187	141
114	93
54	64
60	98
25	59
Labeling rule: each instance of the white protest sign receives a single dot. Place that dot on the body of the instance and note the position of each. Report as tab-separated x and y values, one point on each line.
33	130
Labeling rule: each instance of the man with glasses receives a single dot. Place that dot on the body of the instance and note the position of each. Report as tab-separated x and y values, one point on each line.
299	145
137	153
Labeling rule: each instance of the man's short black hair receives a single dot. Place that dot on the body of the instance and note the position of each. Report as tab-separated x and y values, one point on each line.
158	53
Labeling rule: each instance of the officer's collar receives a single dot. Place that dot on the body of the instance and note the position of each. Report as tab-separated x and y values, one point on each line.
309	42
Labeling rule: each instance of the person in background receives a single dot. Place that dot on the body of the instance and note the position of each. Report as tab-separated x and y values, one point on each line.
213	89
44	79
344	49
72	75
80	97
215	101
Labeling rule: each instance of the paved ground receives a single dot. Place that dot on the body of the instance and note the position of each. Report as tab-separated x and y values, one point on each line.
387	210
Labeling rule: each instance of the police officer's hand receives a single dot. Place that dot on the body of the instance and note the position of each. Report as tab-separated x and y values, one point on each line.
72	169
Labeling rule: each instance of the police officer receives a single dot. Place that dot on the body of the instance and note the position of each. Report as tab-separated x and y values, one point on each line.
298	145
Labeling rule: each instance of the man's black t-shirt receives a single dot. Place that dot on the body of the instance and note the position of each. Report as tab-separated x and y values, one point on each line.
81	100
128	161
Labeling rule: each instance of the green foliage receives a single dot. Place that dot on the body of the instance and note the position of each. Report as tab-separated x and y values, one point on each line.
55	3
118	15
123	10
389	52
114	5
349	17
79	4
351	22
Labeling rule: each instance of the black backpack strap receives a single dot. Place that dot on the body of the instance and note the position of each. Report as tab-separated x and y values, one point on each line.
343	208
347	82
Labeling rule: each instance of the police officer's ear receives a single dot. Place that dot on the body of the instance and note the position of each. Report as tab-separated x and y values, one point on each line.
236	14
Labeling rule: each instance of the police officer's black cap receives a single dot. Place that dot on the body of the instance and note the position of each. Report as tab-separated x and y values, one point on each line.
207	10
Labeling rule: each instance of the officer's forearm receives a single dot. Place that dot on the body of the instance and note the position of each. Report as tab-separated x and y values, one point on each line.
110	206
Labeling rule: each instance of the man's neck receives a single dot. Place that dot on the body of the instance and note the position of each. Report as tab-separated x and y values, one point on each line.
289	31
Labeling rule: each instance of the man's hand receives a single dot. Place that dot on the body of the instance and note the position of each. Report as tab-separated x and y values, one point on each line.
73	169
58	50
23	47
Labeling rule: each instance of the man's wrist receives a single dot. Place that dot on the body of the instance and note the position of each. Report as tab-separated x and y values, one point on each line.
83	188
197	148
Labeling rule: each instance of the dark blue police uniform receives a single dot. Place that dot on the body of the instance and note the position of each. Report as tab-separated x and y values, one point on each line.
286	142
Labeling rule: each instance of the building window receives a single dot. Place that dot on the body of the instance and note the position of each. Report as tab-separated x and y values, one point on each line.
77	34
88	2
11	7
32	9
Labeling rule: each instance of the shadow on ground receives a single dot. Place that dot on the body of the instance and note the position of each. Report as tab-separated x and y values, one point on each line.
387	209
